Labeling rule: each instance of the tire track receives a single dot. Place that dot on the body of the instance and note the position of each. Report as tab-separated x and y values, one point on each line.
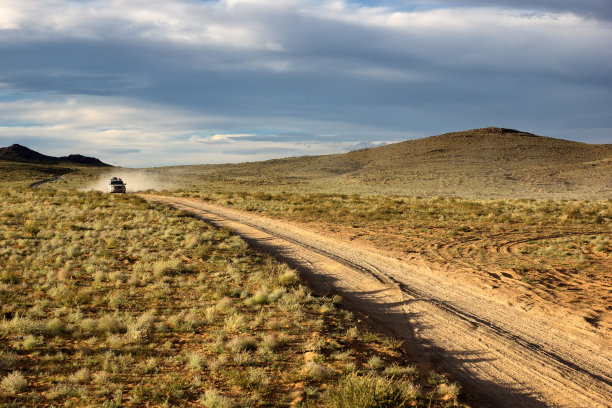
503	355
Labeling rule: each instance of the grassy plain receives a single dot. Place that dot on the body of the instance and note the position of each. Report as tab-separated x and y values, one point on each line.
111	301
563	249
555	238
16	174
107	300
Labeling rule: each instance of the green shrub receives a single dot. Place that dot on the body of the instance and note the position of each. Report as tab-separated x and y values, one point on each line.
214	399
170	267
31	342
376	363
315	371
55	327
8	360
110	324
116	300
196	361
289	279
259	298
243	343
14	383
31	227
448	391
371	391
396	371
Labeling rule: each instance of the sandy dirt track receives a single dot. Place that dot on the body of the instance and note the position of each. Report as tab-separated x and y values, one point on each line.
503	355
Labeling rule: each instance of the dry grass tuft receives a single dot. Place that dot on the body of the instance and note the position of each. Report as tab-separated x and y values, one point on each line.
14	383
133	304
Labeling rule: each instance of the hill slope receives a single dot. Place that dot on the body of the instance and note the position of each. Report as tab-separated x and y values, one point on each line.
21	153
488	162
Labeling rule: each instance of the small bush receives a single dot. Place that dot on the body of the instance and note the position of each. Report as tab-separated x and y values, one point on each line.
116	300
243	343
371	391
258	380
64	391
396	371
31	342
31	227
214	399
289	279
15	382
243	358
269	342
21	325
109	324
448	391
225	304
100	276
83	296
141	330
55	327
235	322
196	361
8	360
315	371
101	377
170	267
436	379
376	363
259	298
80	376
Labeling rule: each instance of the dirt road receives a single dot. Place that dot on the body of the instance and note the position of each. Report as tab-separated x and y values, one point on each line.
42	183
503	355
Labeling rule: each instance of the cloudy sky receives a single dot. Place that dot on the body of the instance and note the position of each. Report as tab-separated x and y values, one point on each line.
161	82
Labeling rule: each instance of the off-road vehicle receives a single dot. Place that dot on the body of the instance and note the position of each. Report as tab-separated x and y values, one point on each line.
116	185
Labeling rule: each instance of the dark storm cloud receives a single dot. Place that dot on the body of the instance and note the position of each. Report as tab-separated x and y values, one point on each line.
592	8
301	73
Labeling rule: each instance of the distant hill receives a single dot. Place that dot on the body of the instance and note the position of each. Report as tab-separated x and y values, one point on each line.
21	153
489	162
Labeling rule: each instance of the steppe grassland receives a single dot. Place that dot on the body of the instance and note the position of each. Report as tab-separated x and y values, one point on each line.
111	301
562	247
23	174
18	174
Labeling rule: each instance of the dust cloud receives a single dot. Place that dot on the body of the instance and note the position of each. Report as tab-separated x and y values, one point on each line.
135	180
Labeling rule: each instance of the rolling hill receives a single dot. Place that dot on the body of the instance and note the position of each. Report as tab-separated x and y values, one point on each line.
480	163
19	153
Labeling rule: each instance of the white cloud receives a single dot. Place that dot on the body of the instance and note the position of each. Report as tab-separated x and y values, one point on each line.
219	137
199	76
447	37
152	135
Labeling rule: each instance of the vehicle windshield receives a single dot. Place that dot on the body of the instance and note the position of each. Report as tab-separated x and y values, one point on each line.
116	183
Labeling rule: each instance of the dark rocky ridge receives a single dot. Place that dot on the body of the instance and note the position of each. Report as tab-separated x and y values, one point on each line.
17	152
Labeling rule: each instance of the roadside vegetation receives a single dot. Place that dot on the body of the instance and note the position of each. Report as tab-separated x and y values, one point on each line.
563	247
13	174
23	174
111	301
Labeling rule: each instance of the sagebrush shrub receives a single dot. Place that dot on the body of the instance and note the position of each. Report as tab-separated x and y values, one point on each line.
214	399
315	371
371	391
14	382
242	343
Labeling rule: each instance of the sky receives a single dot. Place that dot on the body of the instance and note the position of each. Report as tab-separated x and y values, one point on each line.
142	83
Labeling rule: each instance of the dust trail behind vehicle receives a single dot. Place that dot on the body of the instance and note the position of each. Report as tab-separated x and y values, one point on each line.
135	180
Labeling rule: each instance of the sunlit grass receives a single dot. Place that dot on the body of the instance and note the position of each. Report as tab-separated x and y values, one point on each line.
111	301
563	245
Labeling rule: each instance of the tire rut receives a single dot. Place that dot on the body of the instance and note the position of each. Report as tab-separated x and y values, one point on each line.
504	356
